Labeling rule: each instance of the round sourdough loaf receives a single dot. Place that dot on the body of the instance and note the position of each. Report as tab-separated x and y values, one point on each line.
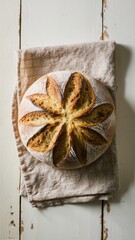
66	119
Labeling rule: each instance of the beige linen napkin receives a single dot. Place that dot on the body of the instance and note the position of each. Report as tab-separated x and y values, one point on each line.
43	184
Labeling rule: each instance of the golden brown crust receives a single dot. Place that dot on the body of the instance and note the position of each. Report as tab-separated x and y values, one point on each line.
42	101
78	95
86	96
79	146
50	102
98	115
67	131
92	137
53	92
62	148
72	91
45	139
38	118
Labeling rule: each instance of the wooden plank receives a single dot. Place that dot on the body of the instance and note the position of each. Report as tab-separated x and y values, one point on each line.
77	222
119	20
9	170
48	22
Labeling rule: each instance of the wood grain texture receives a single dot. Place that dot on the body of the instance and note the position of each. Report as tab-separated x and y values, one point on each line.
54	23
9	170
119	19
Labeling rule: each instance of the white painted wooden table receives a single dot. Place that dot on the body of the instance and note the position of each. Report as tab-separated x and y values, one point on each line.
55	22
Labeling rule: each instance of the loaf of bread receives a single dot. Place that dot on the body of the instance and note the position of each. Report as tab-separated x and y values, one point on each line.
66	119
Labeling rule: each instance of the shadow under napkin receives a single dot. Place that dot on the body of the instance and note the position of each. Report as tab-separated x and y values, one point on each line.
125	122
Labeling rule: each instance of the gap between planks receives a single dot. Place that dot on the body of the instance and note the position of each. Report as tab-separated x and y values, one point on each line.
104	34
20	199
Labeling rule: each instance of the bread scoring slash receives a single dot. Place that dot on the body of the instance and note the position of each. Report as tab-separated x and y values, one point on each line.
66	119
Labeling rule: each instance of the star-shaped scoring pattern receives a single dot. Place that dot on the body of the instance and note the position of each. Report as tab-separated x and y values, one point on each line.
67	119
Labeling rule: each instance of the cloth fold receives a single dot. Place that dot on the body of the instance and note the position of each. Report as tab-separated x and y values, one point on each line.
43	184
